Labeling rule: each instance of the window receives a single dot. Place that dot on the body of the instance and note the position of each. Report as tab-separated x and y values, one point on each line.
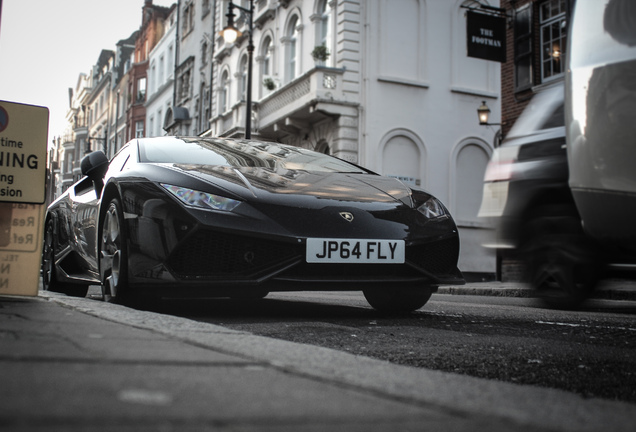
188	18
292	44
266	65
553	37
224	92
169	69
323	36
162	67
204	53
139	129
141	89
523	48
243	79
151	125
153	78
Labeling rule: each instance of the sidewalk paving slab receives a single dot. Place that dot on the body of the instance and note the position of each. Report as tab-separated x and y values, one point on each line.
80	364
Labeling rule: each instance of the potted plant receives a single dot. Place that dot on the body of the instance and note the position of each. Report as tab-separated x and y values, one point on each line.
320	53
269	84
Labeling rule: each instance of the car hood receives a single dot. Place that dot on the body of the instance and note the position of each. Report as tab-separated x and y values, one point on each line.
257	183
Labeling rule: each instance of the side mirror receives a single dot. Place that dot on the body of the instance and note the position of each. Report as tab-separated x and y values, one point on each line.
94	165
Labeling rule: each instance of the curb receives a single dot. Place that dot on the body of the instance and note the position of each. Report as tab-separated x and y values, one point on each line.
606	290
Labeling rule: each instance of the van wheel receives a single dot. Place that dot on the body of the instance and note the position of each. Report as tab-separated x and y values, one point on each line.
562	262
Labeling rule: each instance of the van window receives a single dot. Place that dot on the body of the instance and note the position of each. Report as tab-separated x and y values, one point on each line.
609	40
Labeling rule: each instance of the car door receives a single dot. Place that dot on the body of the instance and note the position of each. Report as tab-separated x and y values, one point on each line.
84	202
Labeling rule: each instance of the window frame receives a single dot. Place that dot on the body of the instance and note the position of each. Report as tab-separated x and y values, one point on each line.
560	19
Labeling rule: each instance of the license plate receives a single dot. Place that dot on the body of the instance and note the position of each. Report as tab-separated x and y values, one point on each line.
321	250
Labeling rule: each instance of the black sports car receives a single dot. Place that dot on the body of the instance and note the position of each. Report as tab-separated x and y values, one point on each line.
174	217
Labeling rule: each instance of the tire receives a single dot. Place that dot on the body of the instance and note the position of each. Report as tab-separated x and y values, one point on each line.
397	300
113	261
49	276
562	263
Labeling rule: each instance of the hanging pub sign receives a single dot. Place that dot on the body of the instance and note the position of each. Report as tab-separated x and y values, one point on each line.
486	36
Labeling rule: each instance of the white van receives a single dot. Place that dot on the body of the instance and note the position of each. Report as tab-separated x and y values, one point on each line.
600	108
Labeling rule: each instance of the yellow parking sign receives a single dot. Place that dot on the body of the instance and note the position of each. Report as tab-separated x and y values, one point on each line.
23	137
23	148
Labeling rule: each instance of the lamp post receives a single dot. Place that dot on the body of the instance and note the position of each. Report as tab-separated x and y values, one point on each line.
230	34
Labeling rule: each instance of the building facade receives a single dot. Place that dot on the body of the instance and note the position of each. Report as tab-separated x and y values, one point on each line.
150	33
161	78
396	94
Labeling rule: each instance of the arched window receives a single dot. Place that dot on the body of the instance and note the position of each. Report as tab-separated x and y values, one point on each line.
266	66
471	162
293	51
224	92
403	155
323	147
267	57
322	26
243	78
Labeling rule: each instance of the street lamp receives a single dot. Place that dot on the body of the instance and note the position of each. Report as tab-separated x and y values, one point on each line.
230	34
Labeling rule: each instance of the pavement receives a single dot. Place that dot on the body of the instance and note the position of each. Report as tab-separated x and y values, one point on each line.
609	289
78	364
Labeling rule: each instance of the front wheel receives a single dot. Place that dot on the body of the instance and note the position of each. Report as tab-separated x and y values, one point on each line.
113	254
49	279
398	300
49	276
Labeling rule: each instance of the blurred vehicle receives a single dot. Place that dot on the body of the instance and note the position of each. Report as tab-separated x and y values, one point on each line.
563	193
193	217
528	200
601	125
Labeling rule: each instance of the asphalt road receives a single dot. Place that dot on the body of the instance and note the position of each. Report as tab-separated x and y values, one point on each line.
590	352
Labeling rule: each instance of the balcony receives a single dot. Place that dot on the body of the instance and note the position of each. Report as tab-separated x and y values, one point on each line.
292	108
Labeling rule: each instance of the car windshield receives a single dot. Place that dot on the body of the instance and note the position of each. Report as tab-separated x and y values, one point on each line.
240	154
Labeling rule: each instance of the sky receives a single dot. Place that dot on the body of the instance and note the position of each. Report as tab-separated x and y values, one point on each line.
46	44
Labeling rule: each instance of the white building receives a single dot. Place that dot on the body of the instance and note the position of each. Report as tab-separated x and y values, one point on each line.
161	78
191	111
397	94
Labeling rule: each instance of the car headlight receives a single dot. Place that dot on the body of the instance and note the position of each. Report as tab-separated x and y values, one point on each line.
433	208
195	198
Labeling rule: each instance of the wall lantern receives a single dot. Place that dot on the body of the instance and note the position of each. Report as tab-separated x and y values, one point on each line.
483	112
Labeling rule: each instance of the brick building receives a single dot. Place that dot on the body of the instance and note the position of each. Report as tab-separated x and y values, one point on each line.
536	45
151	31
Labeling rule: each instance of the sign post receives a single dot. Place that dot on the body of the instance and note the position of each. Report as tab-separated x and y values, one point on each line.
23	148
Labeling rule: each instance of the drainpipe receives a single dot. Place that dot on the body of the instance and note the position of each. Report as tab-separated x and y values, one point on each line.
176	58
212	56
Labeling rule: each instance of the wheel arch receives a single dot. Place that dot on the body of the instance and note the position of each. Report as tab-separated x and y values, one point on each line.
554	195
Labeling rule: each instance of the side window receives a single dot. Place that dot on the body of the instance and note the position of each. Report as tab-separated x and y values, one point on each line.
118	162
